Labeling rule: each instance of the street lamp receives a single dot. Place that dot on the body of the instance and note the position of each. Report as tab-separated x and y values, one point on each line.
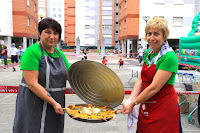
146	18
41	14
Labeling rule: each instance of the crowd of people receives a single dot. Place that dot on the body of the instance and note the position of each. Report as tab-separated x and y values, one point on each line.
14	52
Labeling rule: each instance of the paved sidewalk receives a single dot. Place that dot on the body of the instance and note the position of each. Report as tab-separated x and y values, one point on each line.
119	125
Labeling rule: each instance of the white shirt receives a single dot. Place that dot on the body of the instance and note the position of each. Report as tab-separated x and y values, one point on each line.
13	51
141	52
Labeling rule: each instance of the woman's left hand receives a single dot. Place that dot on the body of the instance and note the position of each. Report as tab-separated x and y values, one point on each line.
126	109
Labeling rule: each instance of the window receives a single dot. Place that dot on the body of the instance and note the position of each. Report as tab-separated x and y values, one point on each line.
35	25
106	17
54	15
107	8
125	4
178	2
59	9
107	36
87	17
86	36
87	8
177	21
87	0
87	26
124	24
160	16
54	9
106	26
28	4
35	7
159	2
59	16
28	21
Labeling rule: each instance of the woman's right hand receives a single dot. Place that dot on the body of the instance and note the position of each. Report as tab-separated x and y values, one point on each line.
58	108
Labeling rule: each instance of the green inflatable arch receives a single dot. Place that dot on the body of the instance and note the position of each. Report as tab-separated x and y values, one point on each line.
189	47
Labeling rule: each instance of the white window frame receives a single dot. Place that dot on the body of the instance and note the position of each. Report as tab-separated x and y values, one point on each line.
28	3
125	24
87	26
159	2
177	21
28	22
178	2
106	17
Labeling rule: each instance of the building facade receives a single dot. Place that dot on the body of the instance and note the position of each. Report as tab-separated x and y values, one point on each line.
19	22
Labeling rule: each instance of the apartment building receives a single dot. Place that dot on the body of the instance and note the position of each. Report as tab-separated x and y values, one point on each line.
42	9
55	10
19	22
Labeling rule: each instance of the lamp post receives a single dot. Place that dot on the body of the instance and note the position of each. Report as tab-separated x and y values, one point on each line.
146	19
41	14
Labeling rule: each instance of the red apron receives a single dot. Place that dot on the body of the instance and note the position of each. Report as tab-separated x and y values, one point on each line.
159	114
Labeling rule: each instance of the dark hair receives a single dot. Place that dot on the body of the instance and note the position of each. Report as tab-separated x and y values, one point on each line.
49	23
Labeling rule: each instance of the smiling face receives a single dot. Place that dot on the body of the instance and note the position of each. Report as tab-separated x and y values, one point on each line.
49	38
155	39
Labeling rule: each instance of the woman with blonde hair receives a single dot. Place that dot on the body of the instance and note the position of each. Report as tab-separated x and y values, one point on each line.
154	89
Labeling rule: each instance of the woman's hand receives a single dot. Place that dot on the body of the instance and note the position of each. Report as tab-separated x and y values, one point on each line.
127	107
58	108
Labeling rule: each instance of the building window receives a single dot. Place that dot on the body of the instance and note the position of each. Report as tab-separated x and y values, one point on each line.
35	7
28	4
177	21
125	4
87	26
159	2
87	8
106	26
54	9
124	24
106	17
54	15
178	2
107	36
59	16
59	9
87	36
87	0
35	25
159	16
28	21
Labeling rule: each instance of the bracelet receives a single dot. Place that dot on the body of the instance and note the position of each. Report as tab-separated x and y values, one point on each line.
136	103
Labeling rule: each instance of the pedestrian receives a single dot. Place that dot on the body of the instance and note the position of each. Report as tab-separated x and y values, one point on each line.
5	55
140	55
154	89
104	61
1	49
20	52
98	52
41	96
14	55
85	51
120	63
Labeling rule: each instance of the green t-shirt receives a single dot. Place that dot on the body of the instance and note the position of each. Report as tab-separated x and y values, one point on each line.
167	62
32	56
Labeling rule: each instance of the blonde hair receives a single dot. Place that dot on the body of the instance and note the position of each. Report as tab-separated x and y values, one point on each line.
159	23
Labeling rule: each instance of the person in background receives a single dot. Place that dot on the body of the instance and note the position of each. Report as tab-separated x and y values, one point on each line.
98	52
140	55
154	89
1	49
104	61
5	55
120	63
41	96
14	55
20	52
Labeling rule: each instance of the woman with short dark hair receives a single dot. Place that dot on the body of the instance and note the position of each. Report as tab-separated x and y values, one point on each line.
41	96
